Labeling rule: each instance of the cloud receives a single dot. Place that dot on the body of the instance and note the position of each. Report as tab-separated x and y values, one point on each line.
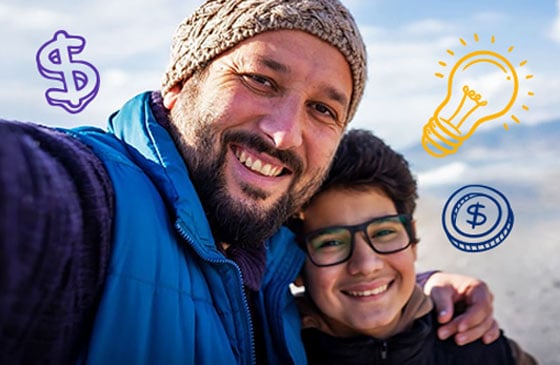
402	91
544	104
555	31
427	27
447	174
21	17
490	17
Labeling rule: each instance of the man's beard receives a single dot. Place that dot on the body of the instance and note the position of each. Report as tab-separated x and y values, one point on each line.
241	223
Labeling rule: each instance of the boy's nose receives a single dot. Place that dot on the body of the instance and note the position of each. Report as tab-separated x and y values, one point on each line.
363	260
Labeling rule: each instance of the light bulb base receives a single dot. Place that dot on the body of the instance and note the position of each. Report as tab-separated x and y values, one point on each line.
440	138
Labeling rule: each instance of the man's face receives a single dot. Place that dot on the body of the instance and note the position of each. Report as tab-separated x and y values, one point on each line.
260	129
366	294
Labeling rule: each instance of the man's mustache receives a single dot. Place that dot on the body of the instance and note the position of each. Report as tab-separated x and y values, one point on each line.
259	144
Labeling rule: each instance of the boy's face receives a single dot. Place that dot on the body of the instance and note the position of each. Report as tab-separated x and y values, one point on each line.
366	294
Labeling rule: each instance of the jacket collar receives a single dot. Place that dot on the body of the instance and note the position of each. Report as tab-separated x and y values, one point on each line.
406	346
151	147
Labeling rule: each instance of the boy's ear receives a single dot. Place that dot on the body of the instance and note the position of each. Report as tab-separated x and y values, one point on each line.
299	281
414	246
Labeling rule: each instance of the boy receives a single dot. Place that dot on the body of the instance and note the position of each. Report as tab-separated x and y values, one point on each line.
362	304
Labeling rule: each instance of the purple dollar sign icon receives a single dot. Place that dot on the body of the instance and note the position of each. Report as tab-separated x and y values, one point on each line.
80	80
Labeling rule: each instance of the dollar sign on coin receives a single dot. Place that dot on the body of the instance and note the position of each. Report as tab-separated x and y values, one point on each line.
474	211
477	218
80	80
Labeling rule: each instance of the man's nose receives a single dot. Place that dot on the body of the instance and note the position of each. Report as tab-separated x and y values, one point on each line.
284	123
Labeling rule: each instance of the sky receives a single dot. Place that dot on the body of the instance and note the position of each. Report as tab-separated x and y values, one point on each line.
128	43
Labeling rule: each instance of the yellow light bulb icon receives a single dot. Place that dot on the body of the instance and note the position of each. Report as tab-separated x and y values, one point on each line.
482	86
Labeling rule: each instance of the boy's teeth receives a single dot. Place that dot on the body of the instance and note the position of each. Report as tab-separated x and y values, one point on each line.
257	165
367	293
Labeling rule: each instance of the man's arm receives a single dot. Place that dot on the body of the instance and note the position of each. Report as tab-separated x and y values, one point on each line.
450	291
55	226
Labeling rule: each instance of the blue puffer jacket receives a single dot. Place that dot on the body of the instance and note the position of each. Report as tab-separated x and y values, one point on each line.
171	297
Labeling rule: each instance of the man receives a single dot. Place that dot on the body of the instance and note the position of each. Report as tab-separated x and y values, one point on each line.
159	240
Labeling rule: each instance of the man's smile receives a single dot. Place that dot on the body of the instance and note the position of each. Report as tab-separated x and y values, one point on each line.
259	164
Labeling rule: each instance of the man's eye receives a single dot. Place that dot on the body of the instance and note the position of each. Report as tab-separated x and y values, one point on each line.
325	110
258	82
260	79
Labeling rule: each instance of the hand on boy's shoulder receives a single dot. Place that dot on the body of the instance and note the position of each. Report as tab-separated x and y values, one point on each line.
476	321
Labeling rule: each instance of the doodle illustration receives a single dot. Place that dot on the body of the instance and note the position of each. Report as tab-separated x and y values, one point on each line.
482	86
80	80
477	218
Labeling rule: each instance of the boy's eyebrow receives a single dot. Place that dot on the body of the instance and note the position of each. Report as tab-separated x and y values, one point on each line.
331	92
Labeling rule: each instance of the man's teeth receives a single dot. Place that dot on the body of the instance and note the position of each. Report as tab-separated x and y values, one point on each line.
257	165
367	293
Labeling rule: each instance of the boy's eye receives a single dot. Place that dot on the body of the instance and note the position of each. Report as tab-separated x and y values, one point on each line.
383	233
329	243
386	232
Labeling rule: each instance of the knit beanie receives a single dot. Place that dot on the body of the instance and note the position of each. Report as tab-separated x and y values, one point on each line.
218	25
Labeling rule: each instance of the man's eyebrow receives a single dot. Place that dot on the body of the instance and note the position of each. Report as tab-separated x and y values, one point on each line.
330	91
337	96
273	65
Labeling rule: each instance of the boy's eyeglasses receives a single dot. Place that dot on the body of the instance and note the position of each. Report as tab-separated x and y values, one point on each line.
334	245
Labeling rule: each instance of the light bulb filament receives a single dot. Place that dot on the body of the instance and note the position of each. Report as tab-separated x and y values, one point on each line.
477	103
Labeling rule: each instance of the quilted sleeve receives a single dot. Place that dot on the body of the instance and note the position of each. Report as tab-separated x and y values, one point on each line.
56	206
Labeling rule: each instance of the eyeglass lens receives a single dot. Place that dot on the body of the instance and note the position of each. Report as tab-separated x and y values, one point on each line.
334	244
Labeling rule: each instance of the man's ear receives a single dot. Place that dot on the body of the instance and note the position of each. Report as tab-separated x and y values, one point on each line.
171	96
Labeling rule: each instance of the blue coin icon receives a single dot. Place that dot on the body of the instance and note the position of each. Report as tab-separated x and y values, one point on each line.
477	218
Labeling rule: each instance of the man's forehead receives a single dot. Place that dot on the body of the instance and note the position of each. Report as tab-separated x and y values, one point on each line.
266	50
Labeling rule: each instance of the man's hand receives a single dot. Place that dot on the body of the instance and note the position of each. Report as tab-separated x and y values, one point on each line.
448	289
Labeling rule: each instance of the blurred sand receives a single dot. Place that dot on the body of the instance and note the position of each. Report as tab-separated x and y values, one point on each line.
523	272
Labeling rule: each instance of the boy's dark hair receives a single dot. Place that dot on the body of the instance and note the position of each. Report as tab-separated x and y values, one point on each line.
364	161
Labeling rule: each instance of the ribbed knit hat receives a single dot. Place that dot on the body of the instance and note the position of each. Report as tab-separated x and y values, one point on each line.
218	25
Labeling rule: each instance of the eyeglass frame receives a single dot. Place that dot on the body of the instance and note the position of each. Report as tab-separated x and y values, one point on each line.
405	219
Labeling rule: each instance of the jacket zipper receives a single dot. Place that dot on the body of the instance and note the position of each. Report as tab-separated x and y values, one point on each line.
384	350
189	239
